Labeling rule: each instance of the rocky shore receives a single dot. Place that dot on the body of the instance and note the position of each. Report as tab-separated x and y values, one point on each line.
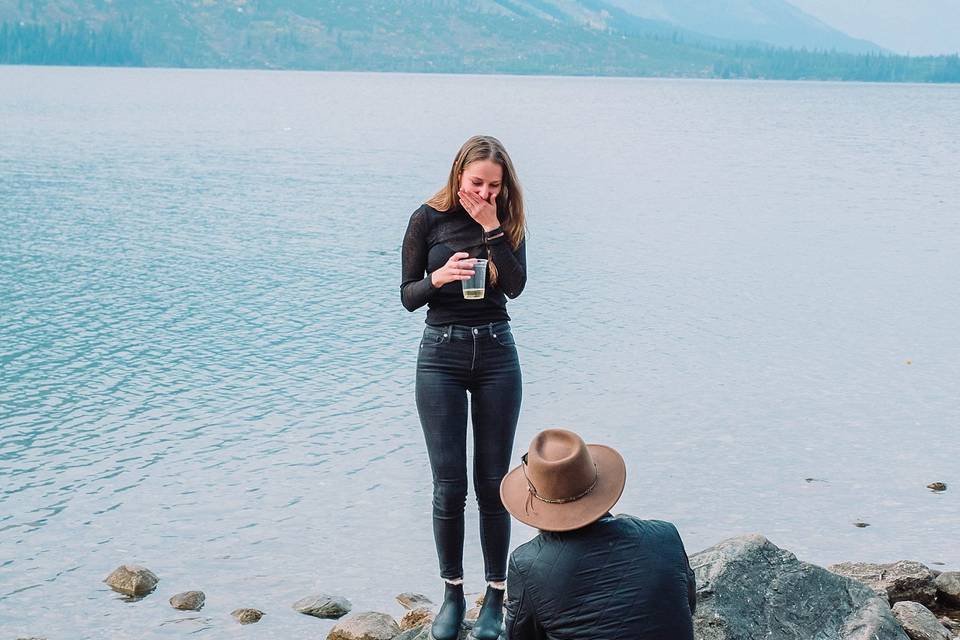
747	588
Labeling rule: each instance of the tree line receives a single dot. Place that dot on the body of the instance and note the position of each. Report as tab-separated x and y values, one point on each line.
68	44
122	43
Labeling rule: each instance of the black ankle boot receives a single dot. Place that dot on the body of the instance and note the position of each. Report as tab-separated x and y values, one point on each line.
490	621
449	620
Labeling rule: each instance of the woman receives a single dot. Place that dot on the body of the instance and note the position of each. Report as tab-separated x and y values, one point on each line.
467	346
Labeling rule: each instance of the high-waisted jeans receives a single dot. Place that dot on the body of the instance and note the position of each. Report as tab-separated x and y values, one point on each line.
483	361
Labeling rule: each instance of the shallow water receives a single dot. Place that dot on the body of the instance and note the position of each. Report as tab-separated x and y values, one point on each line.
748	288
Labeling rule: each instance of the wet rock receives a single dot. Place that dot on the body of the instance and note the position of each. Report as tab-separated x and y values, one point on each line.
948	588
368	625
861	525
323	606
898	581
410	601
416	618
937	486
919	622
188	600
747	587
247	616
132	580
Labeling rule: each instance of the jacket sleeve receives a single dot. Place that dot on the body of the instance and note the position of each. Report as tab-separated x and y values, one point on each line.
689	574
520	622
415	288
691	588
511	265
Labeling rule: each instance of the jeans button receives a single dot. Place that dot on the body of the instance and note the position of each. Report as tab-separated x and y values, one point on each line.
474	332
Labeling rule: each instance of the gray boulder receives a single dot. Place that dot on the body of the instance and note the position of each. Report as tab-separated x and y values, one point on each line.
898	581
417	633
188	600
323	606
948	588
747	587
919	622
132	580
423	633
368	625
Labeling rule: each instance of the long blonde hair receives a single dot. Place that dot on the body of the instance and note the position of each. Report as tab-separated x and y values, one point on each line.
509	201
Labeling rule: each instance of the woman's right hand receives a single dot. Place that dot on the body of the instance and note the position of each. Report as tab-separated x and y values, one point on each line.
458	267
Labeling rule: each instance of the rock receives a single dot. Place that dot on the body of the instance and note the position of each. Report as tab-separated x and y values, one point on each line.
132	580
903	580
411	601
919	622
949	623
861	525
416	618
188	600
948	587
937	486
472	614
247	616
323	606
747	587
417	633
368	625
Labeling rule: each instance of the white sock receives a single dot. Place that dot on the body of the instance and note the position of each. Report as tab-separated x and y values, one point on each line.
498	585
454	582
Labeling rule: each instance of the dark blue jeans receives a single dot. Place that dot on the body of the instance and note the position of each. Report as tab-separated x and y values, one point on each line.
453	361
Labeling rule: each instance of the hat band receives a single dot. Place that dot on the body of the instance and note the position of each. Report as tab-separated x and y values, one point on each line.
532	490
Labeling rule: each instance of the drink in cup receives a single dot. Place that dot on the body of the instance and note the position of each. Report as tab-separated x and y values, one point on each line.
473	286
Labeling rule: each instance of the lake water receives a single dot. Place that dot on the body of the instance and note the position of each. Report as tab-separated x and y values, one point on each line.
748	288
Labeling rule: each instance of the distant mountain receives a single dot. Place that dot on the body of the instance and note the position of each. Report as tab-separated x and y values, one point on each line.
774	22
566	37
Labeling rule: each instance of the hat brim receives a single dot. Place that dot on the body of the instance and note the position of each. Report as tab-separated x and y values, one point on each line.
522	505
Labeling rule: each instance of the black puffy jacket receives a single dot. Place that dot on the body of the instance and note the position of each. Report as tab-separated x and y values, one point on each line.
620	578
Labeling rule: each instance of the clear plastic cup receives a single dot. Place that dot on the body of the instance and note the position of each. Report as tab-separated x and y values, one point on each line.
473	286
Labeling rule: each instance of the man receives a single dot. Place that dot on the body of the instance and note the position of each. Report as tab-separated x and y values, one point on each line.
590	575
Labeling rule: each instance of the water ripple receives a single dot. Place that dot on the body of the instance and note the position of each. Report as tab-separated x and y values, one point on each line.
204	366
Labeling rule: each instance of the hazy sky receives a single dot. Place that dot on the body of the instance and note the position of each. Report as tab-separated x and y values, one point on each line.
914	26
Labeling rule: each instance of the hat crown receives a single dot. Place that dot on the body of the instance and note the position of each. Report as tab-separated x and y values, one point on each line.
559	465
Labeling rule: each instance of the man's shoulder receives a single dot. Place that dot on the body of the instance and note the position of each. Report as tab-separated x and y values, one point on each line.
660	528
527	552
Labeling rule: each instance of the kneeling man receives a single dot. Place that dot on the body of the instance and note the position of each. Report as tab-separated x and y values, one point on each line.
590	575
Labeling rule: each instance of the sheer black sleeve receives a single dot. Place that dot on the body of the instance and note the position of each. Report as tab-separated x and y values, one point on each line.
415	289
511	265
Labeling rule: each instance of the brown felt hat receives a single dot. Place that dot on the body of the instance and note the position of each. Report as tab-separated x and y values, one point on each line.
562	483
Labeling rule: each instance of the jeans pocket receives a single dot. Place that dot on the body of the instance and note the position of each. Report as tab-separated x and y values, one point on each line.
505	338
433	337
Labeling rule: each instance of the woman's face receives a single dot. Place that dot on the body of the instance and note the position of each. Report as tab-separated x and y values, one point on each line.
483	178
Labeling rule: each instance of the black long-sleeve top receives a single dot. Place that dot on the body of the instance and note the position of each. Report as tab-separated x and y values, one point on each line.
431	238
